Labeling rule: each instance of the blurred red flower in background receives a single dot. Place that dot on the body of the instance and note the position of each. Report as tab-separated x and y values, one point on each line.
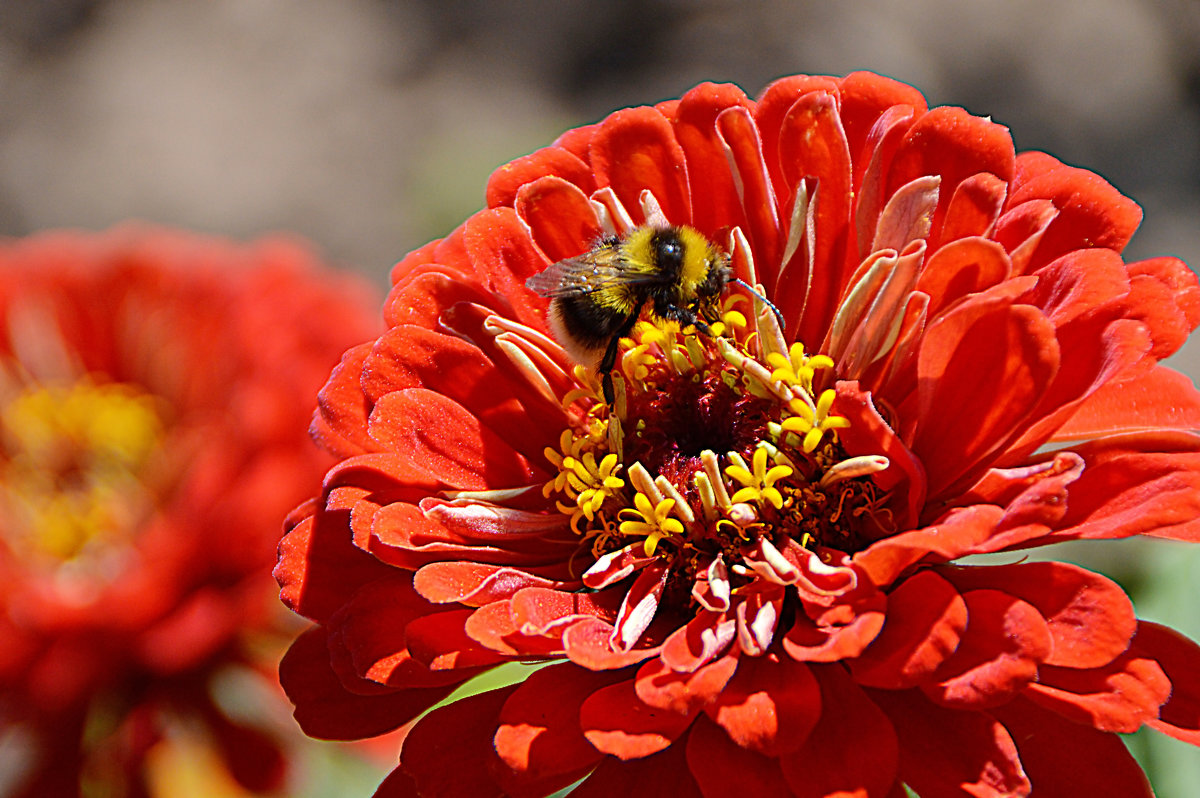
742	574
152	433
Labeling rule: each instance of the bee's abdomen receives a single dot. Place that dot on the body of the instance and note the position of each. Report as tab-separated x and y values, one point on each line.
589	322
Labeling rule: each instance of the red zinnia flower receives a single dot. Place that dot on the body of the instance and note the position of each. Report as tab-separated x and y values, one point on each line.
152	432
742	573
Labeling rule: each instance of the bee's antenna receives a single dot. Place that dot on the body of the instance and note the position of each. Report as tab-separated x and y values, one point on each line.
763	299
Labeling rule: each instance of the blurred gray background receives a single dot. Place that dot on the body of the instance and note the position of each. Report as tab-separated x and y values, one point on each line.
370	126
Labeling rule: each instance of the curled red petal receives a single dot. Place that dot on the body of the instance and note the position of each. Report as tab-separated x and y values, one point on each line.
1145	483
440	641
371	627
319	566
1160	398
1178	657
1091	213
1065	758
1005	642
1118	697
695	124
926	618
1089	617
587	643
953	144
974	208
560	217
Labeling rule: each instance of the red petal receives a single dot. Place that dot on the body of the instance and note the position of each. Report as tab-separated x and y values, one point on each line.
560	217
616	722
1178	657
865	96
808	641
440	640
961	268
635	150
541	611
1006	640
973	209
371	629
327	710
477	584
706	636
340	424
772	106
1163	295
739	135
664	773
398	784
439	436
812	145
868	433
953	144
683	692
926	618
1160	398
423	298
539	737
319	567
1089	617
639	607
1119	697
722	768
587	644
1181	283
825	765
1020	229
505	182
950	753
1091	212
965	357
1137	484
1067	759
718	205
450	751
769	706
504	257
408	356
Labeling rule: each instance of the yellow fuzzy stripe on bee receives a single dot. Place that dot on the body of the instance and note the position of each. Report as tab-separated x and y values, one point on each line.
697	258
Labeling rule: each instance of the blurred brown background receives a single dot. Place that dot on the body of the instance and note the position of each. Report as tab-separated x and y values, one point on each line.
370	126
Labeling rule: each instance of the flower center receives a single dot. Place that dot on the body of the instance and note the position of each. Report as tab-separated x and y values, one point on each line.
72	458
709	450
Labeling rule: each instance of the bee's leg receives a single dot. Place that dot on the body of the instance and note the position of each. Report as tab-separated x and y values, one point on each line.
609	361
606	368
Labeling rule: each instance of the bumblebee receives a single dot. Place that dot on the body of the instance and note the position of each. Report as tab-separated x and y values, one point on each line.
673	273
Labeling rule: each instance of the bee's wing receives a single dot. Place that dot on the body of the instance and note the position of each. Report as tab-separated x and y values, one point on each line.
586	274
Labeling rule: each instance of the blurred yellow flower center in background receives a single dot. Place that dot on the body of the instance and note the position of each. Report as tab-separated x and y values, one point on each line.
73	460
